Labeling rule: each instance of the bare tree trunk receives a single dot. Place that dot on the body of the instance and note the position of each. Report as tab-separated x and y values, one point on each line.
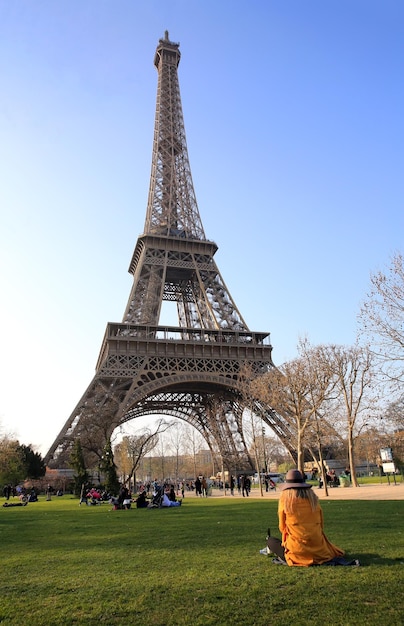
320	457
255	442
300	456
352	468
257	463
162	461
323	474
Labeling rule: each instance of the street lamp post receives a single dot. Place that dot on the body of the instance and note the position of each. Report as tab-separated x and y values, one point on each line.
263	449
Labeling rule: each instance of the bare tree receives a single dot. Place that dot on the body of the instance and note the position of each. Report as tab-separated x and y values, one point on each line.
176	445
253	429
353	369
95	431
321	384
275	452
287	390
133	449
193	444
162	458
393	425
368	444
394	414
382	318
123	459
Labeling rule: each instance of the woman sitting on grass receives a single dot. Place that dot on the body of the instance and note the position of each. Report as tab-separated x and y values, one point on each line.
141	500
301	524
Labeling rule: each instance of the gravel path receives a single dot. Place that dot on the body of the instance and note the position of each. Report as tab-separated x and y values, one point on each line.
364	492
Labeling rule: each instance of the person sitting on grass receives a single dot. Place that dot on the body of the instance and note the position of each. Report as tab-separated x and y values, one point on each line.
166	499
302	527
115	503
171	493
141	500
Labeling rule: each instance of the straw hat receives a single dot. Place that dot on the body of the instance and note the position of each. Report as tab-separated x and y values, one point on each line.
294	480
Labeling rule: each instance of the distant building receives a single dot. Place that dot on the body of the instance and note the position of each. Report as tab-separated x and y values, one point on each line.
363	468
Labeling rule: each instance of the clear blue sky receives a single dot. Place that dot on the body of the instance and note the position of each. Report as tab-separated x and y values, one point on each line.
294	119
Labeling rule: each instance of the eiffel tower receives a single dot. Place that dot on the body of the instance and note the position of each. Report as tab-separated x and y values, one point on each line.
191	371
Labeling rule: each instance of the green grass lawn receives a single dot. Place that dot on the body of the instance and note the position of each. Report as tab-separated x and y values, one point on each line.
197	564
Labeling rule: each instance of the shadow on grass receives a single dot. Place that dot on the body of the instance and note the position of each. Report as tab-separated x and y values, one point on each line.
368	559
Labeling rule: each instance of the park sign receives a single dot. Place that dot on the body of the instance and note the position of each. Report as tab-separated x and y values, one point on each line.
386	455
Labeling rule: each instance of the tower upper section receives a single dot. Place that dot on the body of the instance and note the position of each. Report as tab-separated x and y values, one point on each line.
172	209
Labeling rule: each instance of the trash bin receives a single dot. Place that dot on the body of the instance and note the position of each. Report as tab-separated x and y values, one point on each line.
344	481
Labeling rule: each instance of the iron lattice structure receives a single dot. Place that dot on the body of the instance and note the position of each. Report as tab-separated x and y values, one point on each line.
192	371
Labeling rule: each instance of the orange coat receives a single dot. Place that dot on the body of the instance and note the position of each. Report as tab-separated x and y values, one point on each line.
303	536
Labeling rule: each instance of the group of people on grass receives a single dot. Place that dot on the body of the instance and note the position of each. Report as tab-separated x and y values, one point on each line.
24	495
160	496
